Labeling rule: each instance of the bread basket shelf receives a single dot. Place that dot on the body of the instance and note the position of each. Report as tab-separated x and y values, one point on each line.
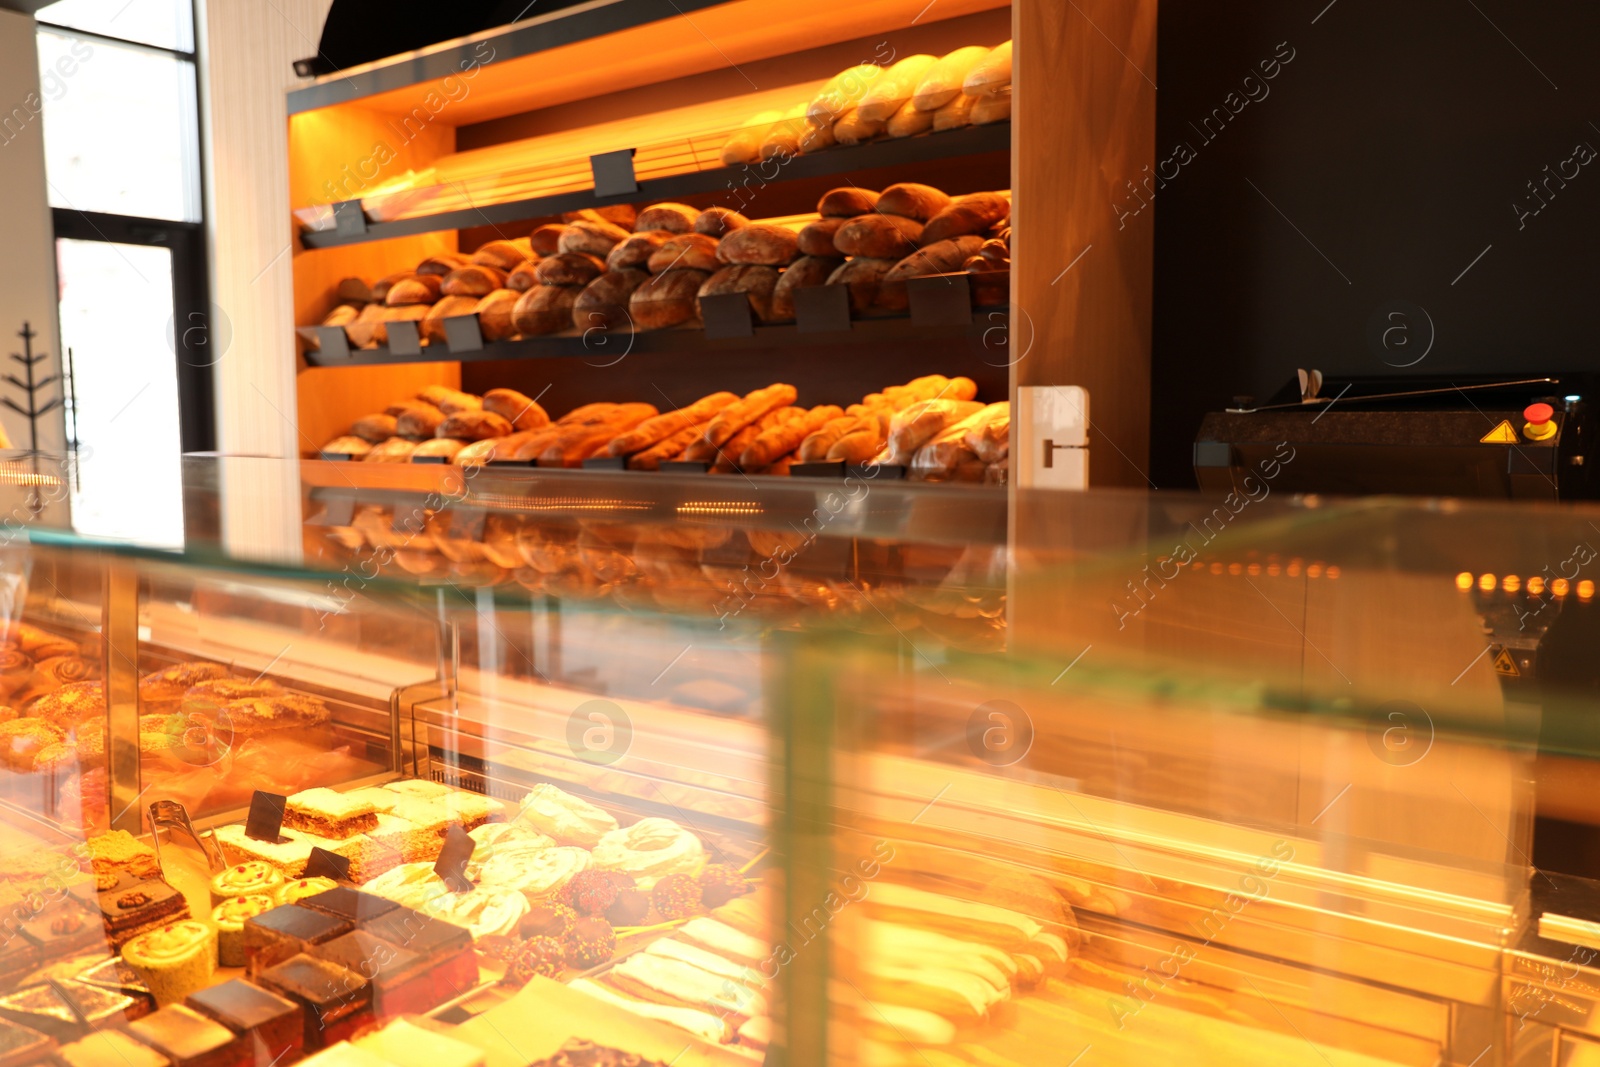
838	161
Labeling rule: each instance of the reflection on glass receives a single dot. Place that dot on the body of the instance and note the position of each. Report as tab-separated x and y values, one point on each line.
119	129
168	23
116	306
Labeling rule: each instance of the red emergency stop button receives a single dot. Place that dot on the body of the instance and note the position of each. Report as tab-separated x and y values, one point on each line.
1538	426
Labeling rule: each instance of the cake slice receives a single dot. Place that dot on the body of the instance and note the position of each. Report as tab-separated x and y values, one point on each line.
289	853
402	982
337	1002
287	931
275	1027
326	813
120	851
134	906
110	1048
189	1039
381	799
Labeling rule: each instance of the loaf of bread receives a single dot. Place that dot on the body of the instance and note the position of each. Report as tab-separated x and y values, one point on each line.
666	449
447	307
494	314
773	443
446	447
360	332
685	251
946	456
521	411
719	221
342	315
847	202
725	460
944	80
990	74
503	255
636	251
592	238
374	428
544	309
878	236
744	144
816	138
603	304
568	268
449	400
783	138
473	426
394	450
912	200
909	121
754	281
658	428
524	276
419	420
760	243
859	443
853	129
864	277
752	407
417	289
955	114
940	257
973	213
478	453
546	240
380	291
816	445
843	92
816	238
407	313
624	215
442	264
573	444
472	280
674	218
993	108
894	89
353	291
667	299
989	436
349	445
918	424
801	274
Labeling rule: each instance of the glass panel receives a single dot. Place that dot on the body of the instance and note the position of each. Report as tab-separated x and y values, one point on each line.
116	305
120	129
168	23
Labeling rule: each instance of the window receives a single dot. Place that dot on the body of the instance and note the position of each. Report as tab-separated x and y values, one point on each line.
120	89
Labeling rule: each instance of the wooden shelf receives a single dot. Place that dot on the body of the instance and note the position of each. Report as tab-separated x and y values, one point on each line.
840	160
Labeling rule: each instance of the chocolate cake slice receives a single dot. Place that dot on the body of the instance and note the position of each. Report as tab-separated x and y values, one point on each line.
337	1002
134	906
275	1027
286	931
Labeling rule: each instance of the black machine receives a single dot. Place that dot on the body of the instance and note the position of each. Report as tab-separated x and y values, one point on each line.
1485	438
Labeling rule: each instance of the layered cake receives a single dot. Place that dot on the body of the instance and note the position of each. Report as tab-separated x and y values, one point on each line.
133	906
293	892
418	787
286	931
229	918
289	853
274	1027
175	960
342	902
327	813
447	948
119	851
402	980
337	1002
110	1048
64	929
189	1039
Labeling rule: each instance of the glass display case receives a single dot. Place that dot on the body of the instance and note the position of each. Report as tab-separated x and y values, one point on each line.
816	772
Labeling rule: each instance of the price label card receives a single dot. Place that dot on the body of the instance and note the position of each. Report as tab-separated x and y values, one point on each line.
265	821
452	865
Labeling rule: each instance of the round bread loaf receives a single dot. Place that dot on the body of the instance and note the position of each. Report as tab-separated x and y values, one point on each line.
503	255
973	213
879	237
447	307
447	447
676	218
449	400
816	238
667	299
380	291
801	274
754	281
544	309
405	313
523	277
417	289
719	221
846	202
636	250
442	264
349	445
864	276
760	244
940	257
420	420
473	280
374	428
568	268
685	251
596	238
623	215
603	304
494	314
473	426
394	450
912	200
342	315
546	240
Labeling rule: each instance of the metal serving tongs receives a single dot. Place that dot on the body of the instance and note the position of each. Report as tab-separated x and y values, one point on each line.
171	815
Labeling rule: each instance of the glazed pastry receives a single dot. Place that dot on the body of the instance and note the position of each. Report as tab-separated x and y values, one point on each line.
535	871
495	835
288	711
593	891
724	940
60	670
22	740
550	919
540	955
650	849
720	883
654	976
568	819
161	690
298	889
246	879
673	949
329	814
73	703
174	960
629	909
702	1024
229	918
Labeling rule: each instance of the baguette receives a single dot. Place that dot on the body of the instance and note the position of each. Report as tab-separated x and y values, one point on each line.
774	443
783	138
990	437
938	459
529	446
993	108
668	448
990	74
575	443
955	114
857	445
742	413
727	456
909	121
894	88
921	422
522	412
660	427
814	449
816	138
852	129
842	93
944	80
744	144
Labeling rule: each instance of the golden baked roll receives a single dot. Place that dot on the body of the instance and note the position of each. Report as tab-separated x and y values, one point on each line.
449	400
70	705
348	445
38	643
62	670
744	143
987	109
394	450
546	240
162	690
445	447
909	121
442	264
473	426
895	88
816	138
266	714
990	74
21	741
843	93
342	315
213	693
944	80
955	114
374	428
417	289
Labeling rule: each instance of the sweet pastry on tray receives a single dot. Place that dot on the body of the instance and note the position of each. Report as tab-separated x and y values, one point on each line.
250	878
569	819
650	849
174	960
657	978
535	871
163	690
229	918
132	906
327	813
705	1025
419	788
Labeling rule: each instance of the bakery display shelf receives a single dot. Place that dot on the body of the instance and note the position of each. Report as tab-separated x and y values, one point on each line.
841	161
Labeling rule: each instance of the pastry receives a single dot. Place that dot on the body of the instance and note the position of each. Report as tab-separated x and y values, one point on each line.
404	841
495	835
406	1044
289	853
471	810
272	1026
60	670
537	871
73	703
174	960
288	710
444	947
593	891
677	896
649	849
132	906
482	912
336	1002
168	686
21	741
295	890
720	883
229	918
329	814
590	943
847	202
418	787
276	935
702	1024
402	982
648	975
564	817
111	973
119	851
107	1048
352	905
722	939
539	955
548	919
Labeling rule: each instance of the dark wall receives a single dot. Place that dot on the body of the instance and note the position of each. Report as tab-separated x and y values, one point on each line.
1378	164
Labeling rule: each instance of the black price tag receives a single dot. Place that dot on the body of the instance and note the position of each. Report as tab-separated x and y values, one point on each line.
462	334
332	342
452	865
324	864
348	219
336	510
266	817
606	463
830	468
940	300
404	340
822	309
727	315
685	466
613	173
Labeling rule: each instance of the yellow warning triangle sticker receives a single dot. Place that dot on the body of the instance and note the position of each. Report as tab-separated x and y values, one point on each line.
1504	664
1504	434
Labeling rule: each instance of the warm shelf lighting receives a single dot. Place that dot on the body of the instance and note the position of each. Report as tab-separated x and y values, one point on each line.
1585	589
1511	583
1487	583
1535	585
1464	581
1560	586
